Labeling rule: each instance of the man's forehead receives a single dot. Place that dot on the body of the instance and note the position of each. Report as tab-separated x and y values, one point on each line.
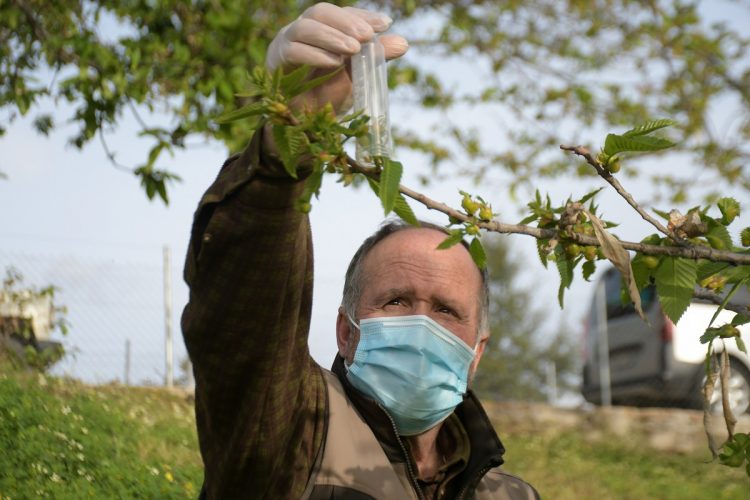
418	243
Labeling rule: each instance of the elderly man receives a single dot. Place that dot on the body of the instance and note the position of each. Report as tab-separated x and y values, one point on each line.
393	418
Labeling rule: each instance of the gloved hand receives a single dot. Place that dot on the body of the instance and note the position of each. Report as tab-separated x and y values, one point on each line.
324	36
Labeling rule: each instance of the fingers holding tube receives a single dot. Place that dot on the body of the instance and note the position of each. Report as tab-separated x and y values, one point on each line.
395	46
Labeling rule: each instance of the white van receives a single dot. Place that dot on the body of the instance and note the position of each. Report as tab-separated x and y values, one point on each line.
659	363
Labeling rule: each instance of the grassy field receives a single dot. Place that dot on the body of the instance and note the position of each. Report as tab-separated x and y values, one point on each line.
62	439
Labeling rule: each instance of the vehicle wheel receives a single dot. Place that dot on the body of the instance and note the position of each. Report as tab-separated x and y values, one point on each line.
739	390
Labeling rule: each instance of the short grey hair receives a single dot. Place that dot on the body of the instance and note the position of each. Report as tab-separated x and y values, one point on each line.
353	282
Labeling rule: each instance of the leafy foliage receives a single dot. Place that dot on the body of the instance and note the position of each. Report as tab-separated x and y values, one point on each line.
544	64
22	309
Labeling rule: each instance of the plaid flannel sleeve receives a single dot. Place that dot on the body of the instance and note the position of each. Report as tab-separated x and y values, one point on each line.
260	398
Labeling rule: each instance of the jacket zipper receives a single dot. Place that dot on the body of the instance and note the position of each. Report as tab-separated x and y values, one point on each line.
412	476
466	486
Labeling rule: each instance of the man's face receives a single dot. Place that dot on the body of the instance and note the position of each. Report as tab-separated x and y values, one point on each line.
405	274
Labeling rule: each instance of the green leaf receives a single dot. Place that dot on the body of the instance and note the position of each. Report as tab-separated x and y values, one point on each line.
726	300
740	344
661	213
401	207
293	80
649	127
530	218
477	253
311	84
709	335
729	208
403	210
675	280
541	245
161	188
590	195
390	179
707	268
589	267
452	240
312	185
291	143
733	453
276	80
256	108
565	268
740	319
614	144
718	234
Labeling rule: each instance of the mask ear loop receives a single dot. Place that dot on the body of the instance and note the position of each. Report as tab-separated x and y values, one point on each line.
355	325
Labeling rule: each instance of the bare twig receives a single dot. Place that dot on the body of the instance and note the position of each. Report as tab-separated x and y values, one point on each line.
607	176
111	155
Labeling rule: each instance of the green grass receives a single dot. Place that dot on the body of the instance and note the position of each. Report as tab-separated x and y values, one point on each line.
62	439
568	466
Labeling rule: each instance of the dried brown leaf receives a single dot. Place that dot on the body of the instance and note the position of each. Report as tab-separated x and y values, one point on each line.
617	255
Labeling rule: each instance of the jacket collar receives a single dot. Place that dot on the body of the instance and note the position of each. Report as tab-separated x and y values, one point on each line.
486	449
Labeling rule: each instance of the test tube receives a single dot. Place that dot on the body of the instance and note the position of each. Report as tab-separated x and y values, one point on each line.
370	87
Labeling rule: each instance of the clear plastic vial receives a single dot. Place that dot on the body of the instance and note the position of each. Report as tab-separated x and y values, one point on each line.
370	87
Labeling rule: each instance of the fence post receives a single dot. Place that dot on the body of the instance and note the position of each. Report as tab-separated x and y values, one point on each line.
552	383
126	378
604	374
168	347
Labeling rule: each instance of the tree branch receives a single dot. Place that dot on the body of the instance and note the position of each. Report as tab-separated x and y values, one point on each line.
715	298
607	176
689	251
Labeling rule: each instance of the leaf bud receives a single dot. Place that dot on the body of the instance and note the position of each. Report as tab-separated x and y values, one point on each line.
485	212
714	282
745	237
650	261
613	165
472	229
469	205
573	250
278	107
590	252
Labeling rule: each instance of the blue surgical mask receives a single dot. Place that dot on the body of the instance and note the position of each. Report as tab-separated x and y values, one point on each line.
415	368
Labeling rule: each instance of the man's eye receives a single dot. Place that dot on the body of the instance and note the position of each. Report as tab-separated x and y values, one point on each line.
394	302
446	310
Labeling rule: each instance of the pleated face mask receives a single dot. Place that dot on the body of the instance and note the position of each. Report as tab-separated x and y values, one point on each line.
414	367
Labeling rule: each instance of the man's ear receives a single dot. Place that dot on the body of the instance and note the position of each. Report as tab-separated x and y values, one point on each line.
480	350
343	332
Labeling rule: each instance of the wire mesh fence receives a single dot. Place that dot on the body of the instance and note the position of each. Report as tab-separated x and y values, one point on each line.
115	311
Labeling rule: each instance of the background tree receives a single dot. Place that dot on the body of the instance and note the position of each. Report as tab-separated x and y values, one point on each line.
542	69
514	365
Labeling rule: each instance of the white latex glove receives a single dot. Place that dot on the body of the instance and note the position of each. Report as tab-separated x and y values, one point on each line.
324	37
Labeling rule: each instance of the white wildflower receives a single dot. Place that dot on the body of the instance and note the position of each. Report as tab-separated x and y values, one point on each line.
66	410
54	478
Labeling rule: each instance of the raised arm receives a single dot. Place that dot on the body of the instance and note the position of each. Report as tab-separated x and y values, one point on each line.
260	398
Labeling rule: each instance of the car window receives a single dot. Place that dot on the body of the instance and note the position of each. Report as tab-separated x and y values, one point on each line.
614	295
